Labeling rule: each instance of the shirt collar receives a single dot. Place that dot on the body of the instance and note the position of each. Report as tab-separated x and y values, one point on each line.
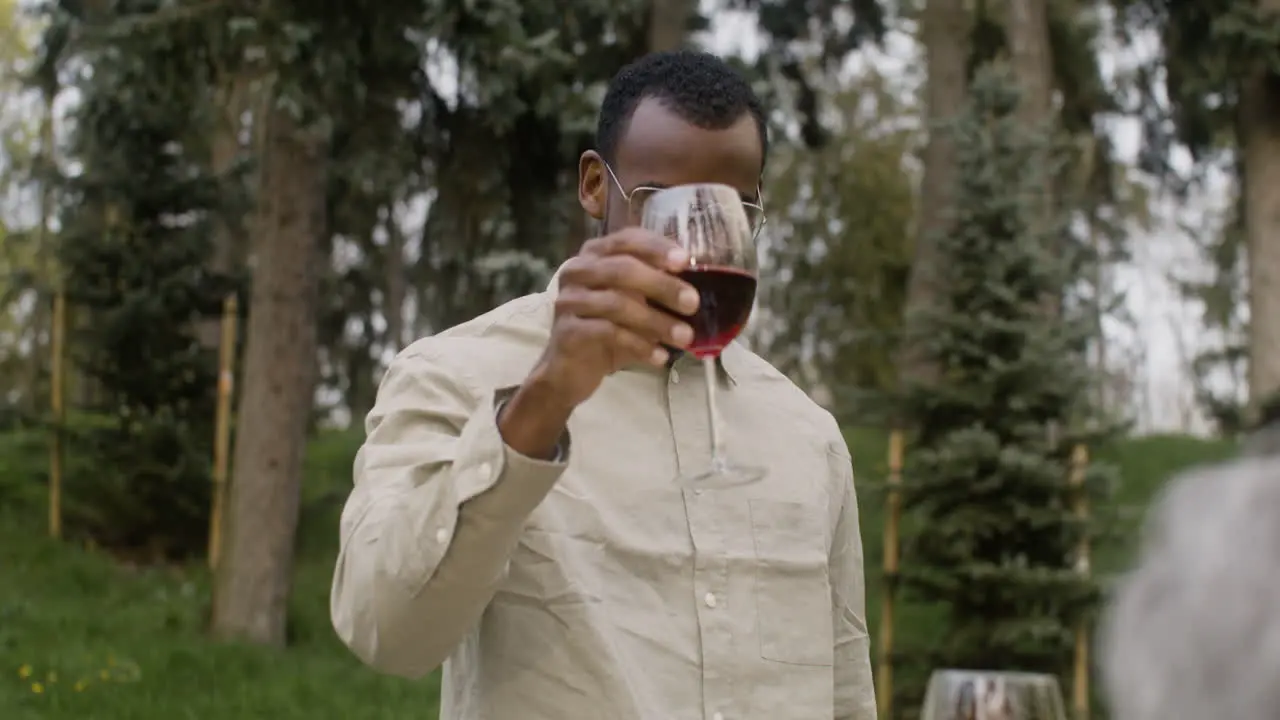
730	361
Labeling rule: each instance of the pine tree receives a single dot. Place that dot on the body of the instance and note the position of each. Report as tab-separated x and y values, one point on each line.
133	248
992	534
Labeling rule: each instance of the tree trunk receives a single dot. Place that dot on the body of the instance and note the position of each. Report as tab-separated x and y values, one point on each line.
1027	29
1260	146
233	99
254	578
362	386
669	24
396	282
945	33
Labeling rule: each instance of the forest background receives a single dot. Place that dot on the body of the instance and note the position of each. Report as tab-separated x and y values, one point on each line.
357	180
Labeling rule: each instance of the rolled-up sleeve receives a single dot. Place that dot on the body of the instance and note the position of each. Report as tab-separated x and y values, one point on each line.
855	697
438	506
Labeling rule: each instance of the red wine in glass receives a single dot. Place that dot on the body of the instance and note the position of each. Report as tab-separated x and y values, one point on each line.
726	296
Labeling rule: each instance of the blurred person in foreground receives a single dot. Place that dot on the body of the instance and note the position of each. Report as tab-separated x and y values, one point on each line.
1193	632
515	515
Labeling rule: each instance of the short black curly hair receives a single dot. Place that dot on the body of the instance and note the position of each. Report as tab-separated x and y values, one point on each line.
698	86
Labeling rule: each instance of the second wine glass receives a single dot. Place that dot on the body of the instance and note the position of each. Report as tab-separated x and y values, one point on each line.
714	225
978	695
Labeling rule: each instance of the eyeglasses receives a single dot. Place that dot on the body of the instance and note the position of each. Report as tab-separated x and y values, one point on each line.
638	196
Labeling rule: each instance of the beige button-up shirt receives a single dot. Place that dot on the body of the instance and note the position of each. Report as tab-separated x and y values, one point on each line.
596	587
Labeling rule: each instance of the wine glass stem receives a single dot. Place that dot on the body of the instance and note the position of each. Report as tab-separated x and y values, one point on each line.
718	461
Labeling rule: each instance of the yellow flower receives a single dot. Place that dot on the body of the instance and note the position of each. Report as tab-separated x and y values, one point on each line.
51	678
24	672
81	685
37	688
104	674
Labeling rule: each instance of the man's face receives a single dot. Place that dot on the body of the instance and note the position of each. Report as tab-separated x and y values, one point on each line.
660	149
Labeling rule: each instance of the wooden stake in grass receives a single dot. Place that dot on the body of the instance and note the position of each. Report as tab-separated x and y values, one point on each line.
222	425
46	166
1080	681
57	340
893	503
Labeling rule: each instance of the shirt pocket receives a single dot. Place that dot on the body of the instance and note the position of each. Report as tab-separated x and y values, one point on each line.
792	584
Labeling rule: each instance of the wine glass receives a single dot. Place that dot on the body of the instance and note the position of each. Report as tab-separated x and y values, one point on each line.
980	695
712	223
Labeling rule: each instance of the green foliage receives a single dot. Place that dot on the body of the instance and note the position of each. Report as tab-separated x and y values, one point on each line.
1188	94
24	264
504	144
837	246
994	535
793	30
134	245
24	462
475	113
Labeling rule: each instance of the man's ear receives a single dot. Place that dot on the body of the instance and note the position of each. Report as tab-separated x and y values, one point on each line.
593	184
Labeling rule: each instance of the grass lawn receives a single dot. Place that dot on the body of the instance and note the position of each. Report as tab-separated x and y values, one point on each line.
105	643
84	639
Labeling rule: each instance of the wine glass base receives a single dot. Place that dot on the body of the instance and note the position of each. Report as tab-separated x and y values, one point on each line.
720	476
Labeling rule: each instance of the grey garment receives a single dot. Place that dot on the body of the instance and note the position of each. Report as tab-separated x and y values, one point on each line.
1193	632
1264	437
1263	442
596	587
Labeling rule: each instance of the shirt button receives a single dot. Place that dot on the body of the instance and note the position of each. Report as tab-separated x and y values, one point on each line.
484	470
442	536
709	599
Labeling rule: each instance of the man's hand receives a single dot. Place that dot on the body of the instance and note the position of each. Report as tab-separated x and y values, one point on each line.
609	311
608	314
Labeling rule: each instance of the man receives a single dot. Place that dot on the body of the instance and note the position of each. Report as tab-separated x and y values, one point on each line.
1193	632
516	516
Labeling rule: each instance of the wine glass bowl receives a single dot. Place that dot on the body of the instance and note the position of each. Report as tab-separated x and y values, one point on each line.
713	224
710	221
981	695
